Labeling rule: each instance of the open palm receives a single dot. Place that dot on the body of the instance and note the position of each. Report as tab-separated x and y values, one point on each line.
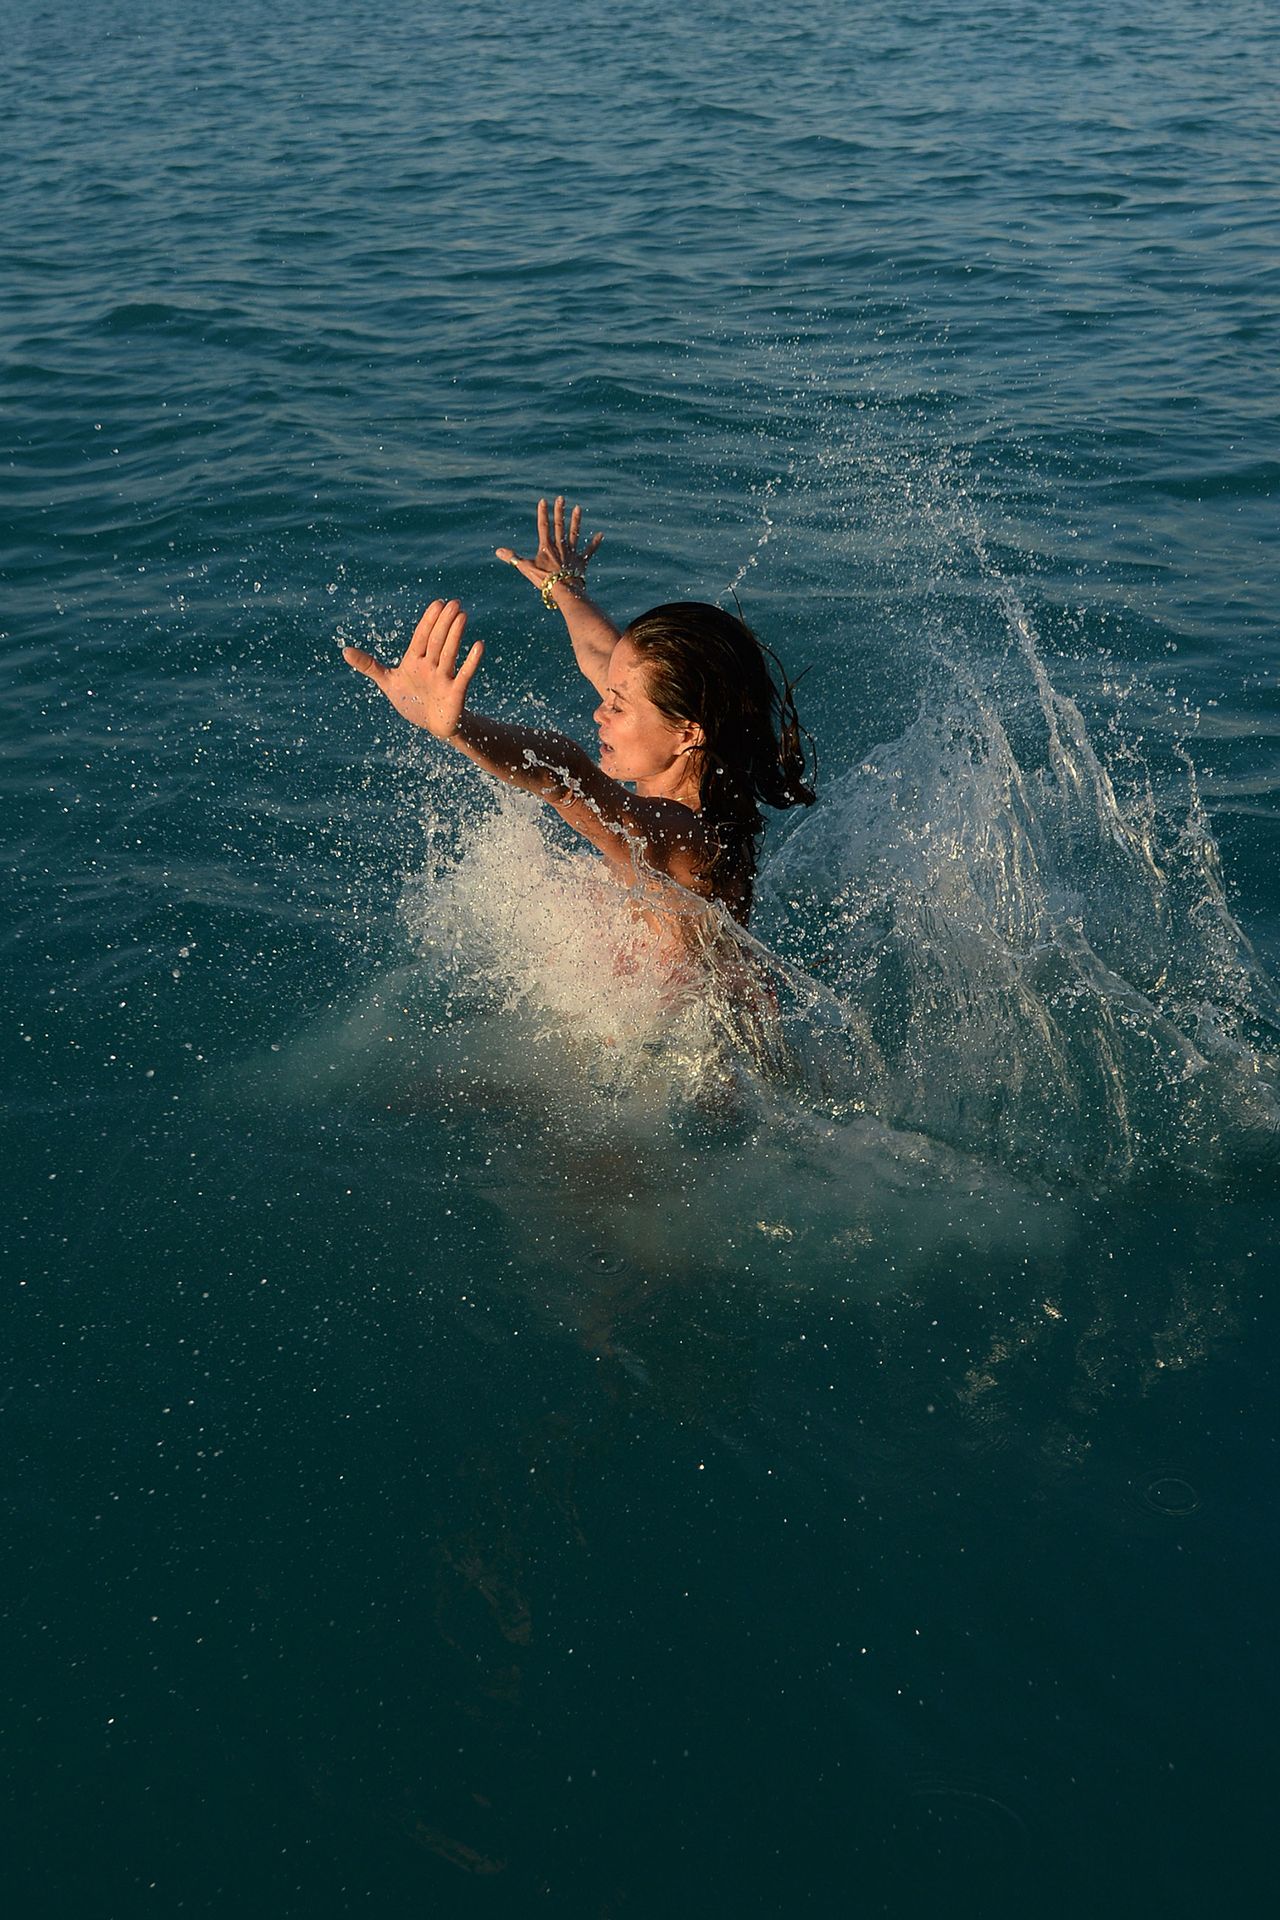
428	686
559	548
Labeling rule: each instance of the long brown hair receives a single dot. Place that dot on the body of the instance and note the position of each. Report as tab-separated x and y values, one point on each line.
705	666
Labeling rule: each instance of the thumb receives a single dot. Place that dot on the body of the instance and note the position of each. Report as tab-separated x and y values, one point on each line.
533	573
365	663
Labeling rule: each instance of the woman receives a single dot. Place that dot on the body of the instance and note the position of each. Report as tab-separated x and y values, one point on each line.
693	732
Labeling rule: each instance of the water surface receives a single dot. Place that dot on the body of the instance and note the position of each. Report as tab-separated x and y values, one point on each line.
454	1464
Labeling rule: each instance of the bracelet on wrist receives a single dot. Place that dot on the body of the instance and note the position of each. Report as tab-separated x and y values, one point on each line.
569	576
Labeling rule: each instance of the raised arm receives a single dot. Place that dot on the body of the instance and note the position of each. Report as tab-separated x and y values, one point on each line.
430	688
559	571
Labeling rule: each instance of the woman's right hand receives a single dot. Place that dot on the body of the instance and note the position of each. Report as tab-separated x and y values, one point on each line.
428	686
558	548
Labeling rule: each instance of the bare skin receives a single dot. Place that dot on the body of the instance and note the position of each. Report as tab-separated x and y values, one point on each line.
560	545
650	825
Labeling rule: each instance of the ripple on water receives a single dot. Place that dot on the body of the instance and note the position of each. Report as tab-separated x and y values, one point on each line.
963	1824
1166	1492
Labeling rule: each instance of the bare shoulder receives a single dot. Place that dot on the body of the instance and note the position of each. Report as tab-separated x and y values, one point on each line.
625	826
675	838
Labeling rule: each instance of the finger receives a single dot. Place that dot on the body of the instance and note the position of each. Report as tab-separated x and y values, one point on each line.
423	631
559	520
544	528
452	641
575	522
591	545
466	671
365	663
439	635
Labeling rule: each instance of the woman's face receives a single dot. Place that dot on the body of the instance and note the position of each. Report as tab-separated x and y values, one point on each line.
638	743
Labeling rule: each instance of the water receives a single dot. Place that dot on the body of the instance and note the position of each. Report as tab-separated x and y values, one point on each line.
481	1438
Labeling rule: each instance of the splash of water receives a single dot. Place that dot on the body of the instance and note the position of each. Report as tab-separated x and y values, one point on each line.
536	934
765	499
1036	960
987	933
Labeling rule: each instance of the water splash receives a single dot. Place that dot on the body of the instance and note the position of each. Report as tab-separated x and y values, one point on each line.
531	922
651	1113
990	935
1035	955
997	988
765	498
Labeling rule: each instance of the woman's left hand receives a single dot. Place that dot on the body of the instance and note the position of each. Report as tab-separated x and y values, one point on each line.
558	546
428	687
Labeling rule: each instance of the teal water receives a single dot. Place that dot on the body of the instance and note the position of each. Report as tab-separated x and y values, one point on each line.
464	1453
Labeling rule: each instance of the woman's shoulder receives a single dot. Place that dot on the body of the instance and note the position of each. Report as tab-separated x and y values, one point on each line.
677	840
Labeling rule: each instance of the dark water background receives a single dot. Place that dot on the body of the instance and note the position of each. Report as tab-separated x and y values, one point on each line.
421	1500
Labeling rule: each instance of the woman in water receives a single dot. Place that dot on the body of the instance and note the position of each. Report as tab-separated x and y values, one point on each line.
693	731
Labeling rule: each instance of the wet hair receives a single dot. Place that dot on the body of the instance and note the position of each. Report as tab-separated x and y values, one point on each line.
705	666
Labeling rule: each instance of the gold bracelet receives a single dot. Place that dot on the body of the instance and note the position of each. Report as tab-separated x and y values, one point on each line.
572	576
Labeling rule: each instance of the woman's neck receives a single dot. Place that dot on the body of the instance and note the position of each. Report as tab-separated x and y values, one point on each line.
677	782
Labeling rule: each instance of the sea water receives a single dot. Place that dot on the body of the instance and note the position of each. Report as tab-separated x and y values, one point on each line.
488	1430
